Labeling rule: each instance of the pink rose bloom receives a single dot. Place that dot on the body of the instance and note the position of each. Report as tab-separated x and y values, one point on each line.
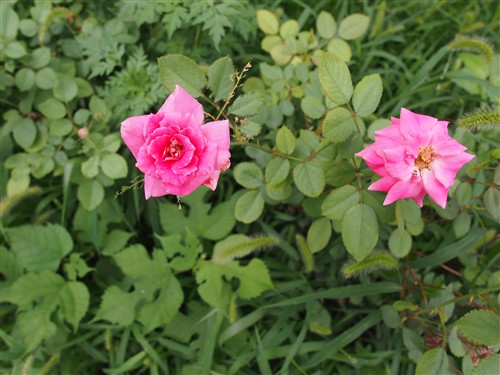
415	156
174	150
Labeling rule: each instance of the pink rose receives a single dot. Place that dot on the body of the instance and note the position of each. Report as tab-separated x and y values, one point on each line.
174	150
415	156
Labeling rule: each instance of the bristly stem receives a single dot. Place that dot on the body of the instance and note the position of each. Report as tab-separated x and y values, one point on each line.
239	77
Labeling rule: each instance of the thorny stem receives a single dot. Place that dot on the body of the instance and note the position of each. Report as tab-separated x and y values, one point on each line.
416	281
450	270
239	77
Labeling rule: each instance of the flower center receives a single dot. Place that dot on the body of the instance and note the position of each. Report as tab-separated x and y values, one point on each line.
425	157
172	150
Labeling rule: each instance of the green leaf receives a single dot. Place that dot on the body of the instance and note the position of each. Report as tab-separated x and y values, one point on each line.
462	224
248	175
335	79
367	95
90	167
115	241
34	327
117	306
354	26
61	127
463	193
41	287
457	347
46	78
339	201
9	23
340	48
281	53
99	109
400	242
182	255
312	107
491	200
253	280
114	166
91	194
277	171
155	287
338	125
433	362
202	219
480	327
181	70
65	89
267	22
289	29
53	109
9	267
74	297
239	246
24	133
161	311
39	247
487	366
76	267
285	140
41	57
249	207
360	231
326	25
15	50
220	80
309	179
28	27
247	104
390	316
319	234
49	290
24	79
410	211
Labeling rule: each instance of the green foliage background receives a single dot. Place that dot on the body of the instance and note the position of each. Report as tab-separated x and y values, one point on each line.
291	266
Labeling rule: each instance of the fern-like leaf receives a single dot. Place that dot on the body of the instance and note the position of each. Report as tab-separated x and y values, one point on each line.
481	119
238	246
375	262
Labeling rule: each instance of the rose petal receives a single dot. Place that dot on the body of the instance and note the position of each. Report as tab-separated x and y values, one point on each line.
132	133
403	189
384	184
218	133
181	102
212	181
154	187
434	188
373	159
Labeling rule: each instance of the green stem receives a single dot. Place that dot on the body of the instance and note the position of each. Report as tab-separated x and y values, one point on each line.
354	116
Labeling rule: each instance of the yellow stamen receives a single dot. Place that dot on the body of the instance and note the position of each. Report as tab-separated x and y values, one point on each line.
425	157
